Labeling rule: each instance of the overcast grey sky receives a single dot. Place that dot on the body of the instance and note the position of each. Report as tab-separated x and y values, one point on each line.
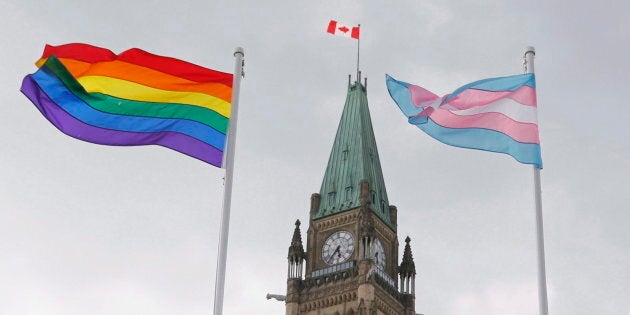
89	229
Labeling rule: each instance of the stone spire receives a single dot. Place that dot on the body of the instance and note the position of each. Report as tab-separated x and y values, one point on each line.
296	254
407	270
354	158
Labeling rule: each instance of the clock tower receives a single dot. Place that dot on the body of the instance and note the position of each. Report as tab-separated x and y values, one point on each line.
350	265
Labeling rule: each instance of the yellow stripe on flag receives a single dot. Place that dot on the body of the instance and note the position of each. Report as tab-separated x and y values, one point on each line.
137	92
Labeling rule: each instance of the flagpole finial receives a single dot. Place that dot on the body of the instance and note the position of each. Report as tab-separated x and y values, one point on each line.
530	49
528	59
240	51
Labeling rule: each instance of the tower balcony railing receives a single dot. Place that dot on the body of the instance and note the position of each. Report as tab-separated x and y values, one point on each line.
331	274
379	272
381	278
333	269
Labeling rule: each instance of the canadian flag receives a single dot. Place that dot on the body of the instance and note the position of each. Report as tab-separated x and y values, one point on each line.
343	30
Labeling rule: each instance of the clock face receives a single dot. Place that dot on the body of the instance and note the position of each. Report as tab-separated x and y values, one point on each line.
378	254
338	247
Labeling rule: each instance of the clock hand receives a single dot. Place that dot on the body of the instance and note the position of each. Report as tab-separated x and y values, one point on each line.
333	253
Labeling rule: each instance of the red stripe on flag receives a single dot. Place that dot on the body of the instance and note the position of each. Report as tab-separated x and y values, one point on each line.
332	26
183	69
355	33
79	51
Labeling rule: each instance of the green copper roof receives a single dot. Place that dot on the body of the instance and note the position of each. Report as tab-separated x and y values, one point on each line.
353	158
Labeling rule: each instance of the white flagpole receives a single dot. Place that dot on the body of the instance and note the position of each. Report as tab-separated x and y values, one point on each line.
542	277
358	52
228	164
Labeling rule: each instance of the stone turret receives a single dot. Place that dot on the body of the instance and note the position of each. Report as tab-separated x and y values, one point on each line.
296	254
407	271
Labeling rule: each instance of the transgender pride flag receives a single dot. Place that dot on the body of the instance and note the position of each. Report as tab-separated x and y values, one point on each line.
497	114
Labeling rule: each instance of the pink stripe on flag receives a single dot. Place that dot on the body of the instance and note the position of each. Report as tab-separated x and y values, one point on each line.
421	96
521	132
525	95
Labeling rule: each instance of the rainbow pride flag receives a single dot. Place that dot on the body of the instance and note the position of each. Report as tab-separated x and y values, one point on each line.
134	98
497	114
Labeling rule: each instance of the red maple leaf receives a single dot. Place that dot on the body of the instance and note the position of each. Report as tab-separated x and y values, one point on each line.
344	29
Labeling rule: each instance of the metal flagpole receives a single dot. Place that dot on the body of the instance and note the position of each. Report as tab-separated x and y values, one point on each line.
542	277
358	51
228	164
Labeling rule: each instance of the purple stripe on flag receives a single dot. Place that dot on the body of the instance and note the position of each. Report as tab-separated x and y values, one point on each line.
77	129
